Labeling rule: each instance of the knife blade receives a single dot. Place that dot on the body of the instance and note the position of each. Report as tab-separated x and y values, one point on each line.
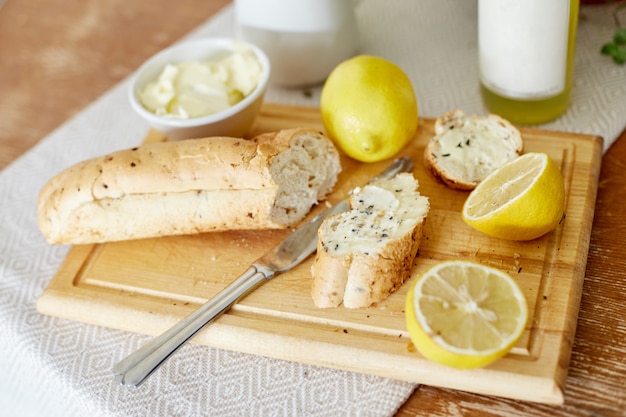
133	370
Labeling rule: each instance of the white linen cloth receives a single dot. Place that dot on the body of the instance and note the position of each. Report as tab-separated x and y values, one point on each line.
57	367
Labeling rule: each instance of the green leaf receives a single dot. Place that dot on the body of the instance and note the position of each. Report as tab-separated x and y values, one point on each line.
620	55
620	36
608	48
617	52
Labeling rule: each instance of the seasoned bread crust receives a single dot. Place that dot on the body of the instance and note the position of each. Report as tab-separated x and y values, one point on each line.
465	149
366	254
190	186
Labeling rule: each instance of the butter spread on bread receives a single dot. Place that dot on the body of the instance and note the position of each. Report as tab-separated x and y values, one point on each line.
466	149
188	187
365	254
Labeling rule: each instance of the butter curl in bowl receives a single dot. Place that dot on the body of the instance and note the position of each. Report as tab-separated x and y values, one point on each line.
200	88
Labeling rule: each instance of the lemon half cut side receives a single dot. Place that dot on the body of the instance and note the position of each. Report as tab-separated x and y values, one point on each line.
465	315
521	200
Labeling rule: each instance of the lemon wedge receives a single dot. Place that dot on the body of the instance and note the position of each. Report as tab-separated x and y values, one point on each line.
465	315
521	200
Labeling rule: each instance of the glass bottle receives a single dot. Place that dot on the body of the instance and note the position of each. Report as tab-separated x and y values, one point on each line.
526	57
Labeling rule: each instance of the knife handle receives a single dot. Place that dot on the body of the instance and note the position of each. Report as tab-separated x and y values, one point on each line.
136	367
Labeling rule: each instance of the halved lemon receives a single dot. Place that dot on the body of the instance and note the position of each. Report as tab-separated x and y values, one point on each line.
465	315
521	200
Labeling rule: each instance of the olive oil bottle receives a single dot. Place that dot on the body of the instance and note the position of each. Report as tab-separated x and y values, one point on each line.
526	57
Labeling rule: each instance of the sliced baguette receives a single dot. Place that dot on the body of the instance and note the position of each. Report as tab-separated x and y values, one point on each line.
365	254
191	186
466	149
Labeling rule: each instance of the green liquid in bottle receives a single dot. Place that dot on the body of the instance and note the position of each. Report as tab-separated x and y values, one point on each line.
526	112
522	111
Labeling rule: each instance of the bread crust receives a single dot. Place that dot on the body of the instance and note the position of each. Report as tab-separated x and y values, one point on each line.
504	143
359	280
364	276
169	188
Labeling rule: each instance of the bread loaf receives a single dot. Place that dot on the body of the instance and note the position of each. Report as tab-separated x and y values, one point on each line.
191	186
466	149
365	254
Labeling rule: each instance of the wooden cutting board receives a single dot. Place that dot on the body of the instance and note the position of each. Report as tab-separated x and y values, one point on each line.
146	286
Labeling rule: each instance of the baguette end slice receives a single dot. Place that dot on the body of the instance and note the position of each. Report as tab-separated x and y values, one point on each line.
465	149
367	253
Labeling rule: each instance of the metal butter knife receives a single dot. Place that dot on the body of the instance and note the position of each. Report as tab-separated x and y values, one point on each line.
135	368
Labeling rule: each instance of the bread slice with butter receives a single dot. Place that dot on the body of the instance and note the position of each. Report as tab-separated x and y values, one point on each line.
365	254
465	149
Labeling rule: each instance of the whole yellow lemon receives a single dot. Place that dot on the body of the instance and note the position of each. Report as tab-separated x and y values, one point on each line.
369	108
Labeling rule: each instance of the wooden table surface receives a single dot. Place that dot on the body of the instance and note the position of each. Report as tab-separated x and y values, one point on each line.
56	57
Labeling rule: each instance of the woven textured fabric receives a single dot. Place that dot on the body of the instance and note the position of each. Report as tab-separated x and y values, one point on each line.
60	367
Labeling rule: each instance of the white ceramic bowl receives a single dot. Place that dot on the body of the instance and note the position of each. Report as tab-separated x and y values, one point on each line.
235	121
